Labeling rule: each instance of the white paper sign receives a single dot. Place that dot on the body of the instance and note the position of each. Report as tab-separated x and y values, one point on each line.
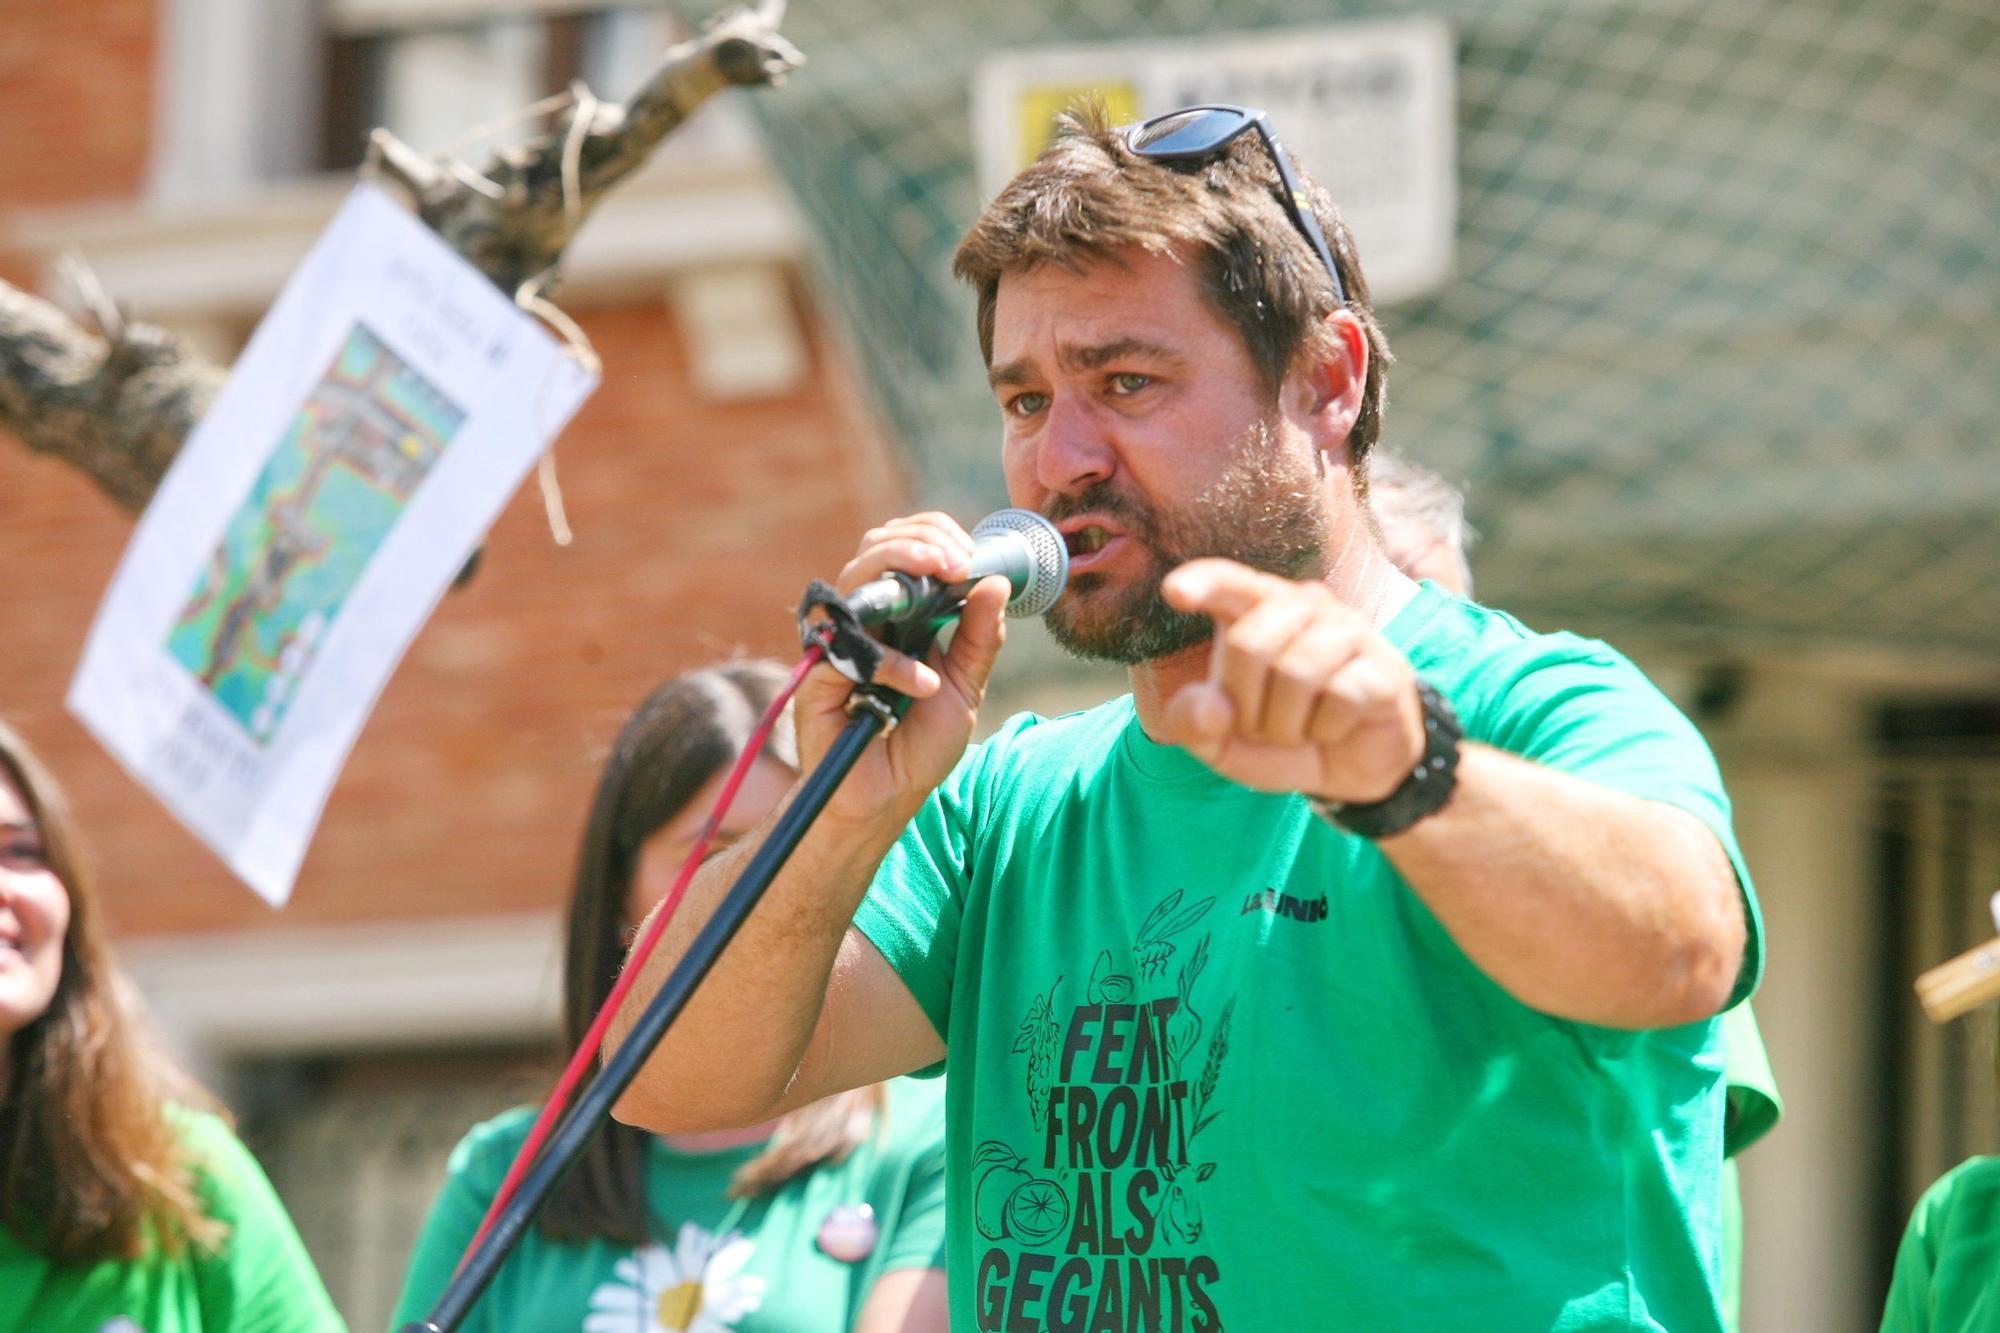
1368	108
383	412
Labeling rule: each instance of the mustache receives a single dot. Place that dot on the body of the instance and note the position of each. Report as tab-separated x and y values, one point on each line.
1100	498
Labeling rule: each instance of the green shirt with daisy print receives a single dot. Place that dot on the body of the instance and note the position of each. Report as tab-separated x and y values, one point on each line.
716	1264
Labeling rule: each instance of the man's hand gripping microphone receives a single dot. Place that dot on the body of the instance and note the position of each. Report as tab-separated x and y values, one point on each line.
909	610
1017	543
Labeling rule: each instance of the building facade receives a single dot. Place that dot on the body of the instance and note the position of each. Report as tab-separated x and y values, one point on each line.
190	151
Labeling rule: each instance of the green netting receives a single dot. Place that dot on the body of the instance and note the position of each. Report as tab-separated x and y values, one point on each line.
1720	358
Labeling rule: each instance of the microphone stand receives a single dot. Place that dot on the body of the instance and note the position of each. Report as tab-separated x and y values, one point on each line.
872	709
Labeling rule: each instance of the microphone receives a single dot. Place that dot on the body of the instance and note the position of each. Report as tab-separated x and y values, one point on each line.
1018	543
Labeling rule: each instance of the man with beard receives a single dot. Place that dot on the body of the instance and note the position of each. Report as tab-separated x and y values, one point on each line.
1358	969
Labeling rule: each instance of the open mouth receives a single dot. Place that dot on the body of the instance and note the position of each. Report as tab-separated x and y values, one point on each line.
1086	540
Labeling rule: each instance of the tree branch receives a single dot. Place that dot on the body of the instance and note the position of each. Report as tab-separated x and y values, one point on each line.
119	407
515	220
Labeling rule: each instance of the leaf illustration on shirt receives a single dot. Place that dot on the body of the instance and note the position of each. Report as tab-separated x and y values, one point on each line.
1211	1071
1155	945
1038	1038
1184	1023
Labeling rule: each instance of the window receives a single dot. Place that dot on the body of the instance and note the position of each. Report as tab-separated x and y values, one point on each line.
260	91
433	72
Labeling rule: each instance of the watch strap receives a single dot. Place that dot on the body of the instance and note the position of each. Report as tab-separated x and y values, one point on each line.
1424	792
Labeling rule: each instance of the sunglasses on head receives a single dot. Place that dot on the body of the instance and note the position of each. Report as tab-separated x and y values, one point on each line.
1197	132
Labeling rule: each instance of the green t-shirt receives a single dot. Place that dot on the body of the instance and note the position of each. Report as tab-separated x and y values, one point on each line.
718	1265
1752	1109
1732	1247
1948	1267
1214	1065
259	1281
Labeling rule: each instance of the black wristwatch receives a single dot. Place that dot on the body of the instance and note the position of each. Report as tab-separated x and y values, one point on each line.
1424	792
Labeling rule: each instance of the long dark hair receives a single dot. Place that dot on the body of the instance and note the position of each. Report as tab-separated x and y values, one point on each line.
90	1167
687	731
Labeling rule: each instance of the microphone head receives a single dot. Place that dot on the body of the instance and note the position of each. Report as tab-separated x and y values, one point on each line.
1044	567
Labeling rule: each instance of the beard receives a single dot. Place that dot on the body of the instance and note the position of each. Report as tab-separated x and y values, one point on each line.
1264	511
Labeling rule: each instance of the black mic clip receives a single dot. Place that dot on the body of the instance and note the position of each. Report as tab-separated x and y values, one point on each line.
826	619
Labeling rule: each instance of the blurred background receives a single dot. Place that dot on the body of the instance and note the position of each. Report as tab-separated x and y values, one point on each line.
1699	300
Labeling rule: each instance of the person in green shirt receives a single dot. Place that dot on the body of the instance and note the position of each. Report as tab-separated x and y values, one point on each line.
126	1204
1425	533
826	1219
1947	1275
1358	969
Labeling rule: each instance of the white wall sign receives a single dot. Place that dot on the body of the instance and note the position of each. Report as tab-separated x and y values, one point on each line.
1368	108
383	412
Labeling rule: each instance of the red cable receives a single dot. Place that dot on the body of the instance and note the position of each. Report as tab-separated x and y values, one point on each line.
586	1052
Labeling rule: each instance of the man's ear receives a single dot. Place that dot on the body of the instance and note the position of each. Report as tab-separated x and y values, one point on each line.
1326	383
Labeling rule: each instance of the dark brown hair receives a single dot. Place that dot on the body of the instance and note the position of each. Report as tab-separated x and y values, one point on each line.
90	1167
687	731
1088	196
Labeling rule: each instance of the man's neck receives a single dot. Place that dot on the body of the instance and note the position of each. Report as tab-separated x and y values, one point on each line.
1361	576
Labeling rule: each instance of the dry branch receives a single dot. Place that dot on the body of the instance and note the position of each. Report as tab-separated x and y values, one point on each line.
514	220
118	409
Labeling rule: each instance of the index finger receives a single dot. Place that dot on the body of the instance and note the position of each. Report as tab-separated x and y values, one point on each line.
1220	589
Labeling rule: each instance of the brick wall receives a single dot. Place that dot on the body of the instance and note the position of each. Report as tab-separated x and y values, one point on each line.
697	525
76	96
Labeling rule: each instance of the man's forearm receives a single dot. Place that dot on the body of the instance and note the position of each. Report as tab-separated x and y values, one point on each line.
1581	901
732	1054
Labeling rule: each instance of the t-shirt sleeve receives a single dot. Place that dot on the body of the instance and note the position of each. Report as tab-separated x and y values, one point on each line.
919	1239
1579	707
913	908
1753	1101
1908	1307
260	1280
472	1178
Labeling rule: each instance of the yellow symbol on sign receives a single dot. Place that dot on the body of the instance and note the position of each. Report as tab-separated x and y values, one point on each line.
1039	107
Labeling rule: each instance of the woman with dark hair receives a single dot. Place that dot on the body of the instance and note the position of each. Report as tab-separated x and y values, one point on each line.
829	1218
125	1201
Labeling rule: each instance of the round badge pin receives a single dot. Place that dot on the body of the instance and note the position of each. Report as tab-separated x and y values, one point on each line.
849	1233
